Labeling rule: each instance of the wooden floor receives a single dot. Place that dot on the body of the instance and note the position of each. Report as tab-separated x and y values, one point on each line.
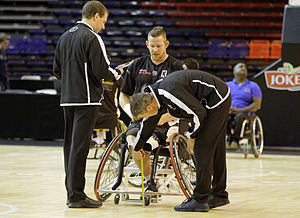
32	185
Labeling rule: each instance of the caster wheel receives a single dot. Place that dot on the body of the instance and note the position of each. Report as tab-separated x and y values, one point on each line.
117	199
126	196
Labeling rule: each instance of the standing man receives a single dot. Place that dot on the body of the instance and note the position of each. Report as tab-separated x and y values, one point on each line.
145	71
246	97
4	41
81	63
204	100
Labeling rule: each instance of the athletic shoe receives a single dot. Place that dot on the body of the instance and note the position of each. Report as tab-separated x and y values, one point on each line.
192	205
217	202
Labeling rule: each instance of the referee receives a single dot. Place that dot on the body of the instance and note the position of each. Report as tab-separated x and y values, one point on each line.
81	63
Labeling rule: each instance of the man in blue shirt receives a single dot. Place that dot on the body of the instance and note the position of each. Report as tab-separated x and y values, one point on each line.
246	97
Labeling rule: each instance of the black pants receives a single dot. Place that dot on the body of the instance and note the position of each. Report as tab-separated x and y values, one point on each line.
79	125
210	154
235	123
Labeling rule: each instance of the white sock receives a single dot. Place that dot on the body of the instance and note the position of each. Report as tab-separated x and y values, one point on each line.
147	178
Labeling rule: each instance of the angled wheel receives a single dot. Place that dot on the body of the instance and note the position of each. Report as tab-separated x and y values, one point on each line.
257	137
183	164
107	172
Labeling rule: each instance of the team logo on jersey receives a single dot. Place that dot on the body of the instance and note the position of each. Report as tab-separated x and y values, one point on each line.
284	78
73	29
164	73
142	71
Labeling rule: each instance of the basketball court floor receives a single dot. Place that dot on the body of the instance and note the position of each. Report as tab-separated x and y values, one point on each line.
32	185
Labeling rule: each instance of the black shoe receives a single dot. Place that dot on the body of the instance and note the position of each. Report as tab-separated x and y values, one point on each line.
217	202
192	205
86	203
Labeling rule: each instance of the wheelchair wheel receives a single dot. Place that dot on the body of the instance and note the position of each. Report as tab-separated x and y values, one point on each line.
257	137
183	164
107	171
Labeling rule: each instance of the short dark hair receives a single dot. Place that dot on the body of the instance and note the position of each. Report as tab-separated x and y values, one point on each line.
4	36
93	7
139	103
158	31
191	63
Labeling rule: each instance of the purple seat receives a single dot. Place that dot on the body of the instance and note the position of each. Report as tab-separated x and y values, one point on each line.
165	23
118	13
114	33
37	31
16	46
217	49
126	23
122	43
55	31
133	33
130	54
238	49
36	46
156	13
35	63
139	44
50	21
112	4
67	22
145	23
130	4
15	62
138	13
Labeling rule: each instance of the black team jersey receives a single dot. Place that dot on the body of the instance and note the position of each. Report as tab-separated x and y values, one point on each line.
143	72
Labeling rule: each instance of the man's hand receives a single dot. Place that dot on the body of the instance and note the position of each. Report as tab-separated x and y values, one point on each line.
234	110
190	146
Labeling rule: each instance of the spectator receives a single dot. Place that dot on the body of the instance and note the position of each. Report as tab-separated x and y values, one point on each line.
246	97
4	41
81	63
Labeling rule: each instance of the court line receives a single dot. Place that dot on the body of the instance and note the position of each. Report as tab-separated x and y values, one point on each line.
12	209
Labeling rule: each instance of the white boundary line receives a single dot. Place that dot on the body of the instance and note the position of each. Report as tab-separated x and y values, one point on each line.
12	209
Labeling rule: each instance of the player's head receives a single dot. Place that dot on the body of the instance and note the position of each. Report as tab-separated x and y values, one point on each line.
4	41
157	44
143	105
240	71
191	63
95	14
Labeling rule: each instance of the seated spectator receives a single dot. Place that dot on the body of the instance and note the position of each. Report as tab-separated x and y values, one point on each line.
4	41
246	98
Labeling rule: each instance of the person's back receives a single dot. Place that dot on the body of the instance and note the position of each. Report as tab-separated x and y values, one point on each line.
77	74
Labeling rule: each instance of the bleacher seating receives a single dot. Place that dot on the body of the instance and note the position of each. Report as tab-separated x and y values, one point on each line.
195	29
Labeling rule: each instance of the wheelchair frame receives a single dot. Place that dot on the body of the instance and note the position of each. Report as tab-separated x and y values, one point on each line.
252	133
117	168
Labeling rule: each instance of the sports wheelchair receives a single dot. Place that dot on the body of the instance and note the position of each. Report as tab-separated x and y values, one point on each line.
118	174
252	136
